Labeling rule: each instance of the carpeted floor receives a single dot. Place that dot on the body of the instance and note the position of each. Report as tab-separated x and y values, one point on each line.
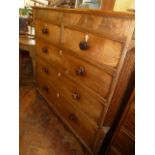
41	132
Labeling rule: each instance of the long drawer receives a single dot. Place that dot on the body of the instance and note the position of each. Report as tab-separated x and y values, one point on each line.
80	97
82	72
78	121
92	47
47	32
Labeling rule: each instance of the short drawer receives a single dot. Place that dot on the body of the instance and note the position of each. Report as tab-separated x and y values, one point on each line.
47	32
80	97
79	70
76	119
114	27
92	48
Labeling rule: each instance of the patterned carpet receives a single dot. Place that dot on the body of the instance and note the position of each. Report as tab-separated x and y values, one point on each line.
41	132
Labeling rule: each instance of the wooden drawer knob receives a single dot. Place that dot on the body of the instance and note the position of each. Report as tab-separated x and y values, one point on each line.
45	88
76	95
44	30
80	71
45	70
45	50
83	45
73	117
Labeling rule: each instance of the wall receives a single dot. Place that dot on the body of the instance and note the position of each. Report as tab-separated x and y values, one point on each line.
123	5
31	3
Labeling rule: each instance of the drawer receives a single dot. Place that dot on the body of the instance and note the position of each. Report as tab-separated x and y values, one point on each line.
80	97
47	32
82	72
48	16
92	48
116	27
76	119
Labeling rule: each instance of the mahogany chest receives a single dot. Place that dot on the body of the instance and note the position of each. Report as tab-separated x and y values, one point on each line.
80	54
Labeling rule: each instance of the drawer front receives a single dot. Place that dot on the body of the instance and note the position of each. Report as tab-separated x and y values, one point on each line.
92	48
115	27
48	16
80	97
84	127
47	32
82	72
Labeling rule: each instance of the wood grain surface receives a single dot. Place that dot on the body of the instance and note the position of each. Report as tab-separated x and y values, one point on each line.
79	66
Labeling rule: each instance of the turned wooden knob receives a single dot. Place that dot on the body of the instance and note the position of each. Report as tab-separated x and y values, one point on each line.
83	45
45	70
45	50
44	30
45	88
80	71
73	117
76	95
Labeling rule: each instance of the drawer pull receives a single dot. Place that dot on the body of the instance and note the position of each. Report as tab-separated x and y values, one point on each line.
45	70
45	50
80	71
76	95
45	88
84	43
44	30
73	117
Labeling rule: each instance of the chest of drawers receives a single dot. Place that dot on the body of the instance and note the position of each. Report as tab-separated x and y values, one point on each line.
79	58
